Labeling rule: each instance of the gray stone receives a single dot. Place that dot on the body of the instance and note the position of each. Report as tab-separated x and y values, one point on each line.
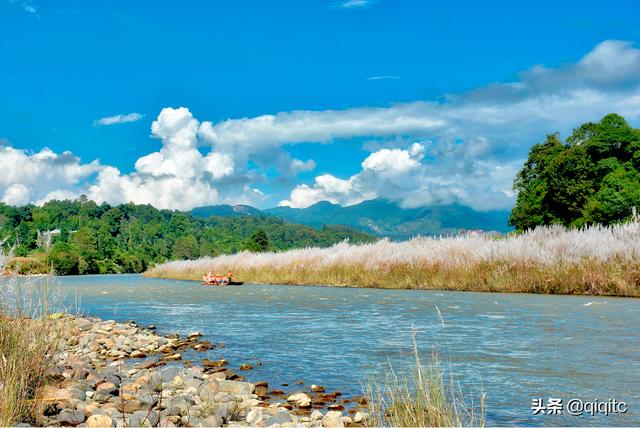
168	373
236	388
255	416
102	396
208	390
223	412
71	417
332	420
282	417
84	324
213	421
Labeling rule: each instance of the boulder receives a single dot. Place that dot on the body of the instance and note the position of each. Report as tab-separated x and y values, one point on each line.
213	421
332	420
210	364
84	324
255	416
236	388
317	388
262	392
208	390
99	421
71	417
300	399
316	415
282	417
137	354
360	417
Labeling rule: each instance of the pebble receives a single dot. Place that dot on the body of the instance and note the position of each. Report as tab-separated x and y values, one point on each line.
104	385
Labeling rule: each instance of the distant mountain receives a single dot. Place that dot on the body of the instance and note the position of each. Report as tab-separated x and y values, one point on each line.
381	217
225	211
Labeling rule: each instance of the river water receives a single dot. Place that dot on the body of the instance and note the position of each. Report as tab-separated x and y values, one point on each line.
512	347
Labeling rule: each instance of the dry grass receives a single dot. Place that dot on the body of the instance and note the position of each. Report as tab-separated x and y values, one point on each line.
27	343
596	260
420	399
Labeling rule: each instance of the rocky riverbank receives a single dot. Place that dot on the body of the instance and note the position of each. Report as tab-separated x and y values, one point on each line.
111	374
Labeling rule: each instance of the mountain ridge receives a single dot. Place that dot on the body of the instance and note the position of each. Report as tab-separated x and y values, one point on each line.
379	217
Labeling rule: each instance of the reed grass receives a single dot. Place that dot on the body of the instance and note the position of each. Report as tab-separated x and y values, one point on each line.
419	398
27	342
598	260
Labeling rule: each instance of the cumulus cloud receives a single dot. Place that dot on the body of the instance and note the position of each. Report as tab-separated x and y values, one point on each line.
178	176
479	138
28	177
118	118
464	150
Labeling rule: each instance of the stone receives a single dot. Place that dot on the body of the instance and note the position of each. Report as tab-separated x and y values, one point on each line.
317	388
208	390
262	392
173	357
346	420
361	400
300	399
84	324
316	415
168	373
194	334
263	383
210	364
254	416
137	354
99	421
51	393
236	388
282	417
246	367
336	407
213	421
332	420
360	417
102	396
71	417
107	387
129	406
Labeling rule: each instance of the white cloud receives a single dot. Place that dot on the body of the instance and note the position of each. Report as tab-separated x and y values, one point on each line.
118	118
28	177
388	77
351	4
465	150
178	176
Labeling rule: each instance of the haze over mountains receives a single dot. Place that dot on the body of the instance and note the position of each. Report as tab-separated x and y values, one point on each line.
378	217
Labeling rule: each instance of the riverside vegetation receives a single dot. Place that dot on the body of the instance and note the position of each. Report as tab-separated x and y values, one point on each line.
600	260
57	369
79	237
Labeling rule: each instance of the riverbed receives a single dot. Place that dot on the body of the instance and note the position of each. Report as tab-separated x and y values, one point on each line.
512	347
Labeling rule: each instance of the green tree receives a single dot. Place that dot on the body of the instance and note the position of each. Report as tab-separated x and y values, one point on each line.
592	178
186	247
258	241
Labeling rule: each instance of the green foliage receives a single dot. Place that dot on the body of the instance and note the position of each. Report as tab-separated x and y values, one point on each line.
92	238
258	242
592	178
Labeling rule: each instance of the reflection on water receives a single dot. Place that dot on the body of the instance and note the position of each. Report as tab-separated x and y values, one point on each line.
514	347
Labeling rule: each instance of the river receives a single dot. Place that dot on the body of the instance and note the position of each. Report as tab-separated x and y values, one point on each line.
513	347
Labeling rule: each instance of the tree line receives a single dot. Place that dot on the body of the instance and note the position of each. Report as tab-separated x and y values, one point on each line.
82	237
592	177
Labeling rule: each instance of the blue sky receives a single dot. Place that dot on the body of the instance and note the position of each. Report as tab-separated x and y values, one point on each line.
345	67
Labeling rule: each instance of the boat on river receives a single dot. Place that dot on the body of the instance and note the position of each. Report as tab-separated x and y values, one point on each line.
219	280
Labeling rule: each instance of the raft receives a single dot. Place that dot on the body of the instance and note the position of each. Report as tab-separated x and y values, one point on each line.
220	283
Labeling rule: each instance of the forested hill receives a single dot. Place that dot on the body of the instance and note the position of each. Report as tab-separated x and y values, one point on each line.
78	237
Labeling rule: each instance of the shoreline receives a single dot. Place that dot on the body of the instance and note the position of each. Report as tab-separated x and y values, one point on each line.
547	284
108	373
